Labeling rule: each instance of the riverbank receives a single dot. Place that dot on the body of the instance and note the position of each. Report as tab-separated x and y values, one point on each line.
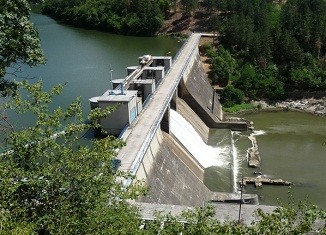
309	105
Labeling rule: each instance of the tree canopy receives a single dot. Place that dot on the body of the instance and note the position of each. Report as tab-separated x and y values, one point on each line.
278	48
19	42
189	6
50	182
128	17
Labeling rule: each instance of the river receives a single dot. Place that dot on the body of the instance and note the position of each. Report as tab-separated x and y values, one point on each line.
291	144
292	147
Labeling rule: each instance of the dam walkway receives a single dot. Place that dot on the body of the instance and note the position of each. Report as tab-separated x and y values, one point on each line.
142	133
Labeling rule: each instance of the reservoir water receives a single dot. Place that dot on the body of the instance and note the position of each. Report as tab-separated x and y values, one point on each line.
291	144
83	59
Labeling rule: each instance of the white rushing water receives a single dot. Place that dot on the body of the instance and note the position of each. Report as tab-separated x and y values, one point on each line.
205	154
259	132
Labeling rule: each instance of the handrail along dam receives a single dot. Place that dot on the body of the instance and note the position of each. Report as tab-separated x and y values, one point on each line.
152	152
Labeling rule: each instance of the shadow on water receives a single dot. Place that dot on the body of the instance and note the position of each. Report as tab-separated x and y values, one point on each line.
218	179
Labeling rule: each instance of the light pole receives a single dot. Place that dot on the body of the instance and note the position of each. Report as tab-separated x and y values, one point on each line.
111	70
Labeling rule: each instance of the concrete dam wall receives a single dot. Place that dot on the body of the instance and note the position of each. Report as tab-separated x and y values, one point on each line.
196	90
164	115
172	174
173	177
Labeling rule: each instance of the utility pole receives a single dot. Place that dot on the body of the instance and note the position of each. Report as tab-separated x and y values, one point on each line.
241	187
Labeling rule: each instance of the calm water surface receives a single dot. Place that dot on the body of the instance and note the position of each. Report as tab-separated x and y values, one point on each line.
83	58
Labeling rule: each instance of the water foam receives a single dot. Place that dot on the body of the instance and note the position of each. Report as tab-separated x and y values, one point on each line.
206	155
259	132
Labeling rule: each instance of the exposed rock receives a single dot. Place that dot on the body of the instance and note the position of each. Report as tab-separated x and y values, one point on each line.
311	105
253	157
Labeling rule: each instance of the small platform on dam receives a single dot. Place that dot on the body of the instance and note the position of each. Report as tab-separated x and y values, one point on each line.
220	197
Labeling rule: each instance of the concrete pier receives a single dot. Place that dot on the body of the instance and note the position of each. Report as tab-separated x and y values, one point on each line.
253	153
260	180
219	197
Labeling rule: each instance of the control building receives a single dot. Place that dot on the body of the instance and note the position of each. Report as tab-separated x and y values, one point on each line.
131	94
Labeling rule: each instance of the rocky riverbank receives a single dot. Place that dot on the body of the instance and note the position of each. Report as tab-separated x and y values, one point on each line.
311	105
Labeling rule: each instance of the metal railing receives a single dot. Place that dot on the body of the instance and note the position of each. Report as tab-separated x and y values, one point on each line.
142	151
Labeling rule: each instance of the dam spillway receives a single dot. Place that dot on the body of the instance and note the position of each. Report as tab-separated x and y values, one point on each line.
205	154
152	153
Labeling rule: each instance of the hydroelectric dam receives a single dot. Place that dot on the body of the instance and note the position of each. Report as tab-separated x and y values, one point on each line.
153	99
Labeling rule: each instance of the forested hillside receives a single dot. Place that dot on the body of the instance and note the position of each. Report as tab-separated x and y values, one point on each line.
266	49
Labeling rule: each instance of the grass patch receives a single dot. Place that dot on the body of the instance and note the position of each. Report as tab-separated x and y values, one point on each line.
239	107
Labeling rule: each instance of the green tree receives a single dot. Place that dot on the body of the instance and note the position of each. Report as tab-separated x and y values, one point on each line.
306	20
19	42
231	96
237	32
51	182
287	51
147	18
304	79
230	5
189	6
247	81
165	6
269	86
129	17
288	219
223	65
210	5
